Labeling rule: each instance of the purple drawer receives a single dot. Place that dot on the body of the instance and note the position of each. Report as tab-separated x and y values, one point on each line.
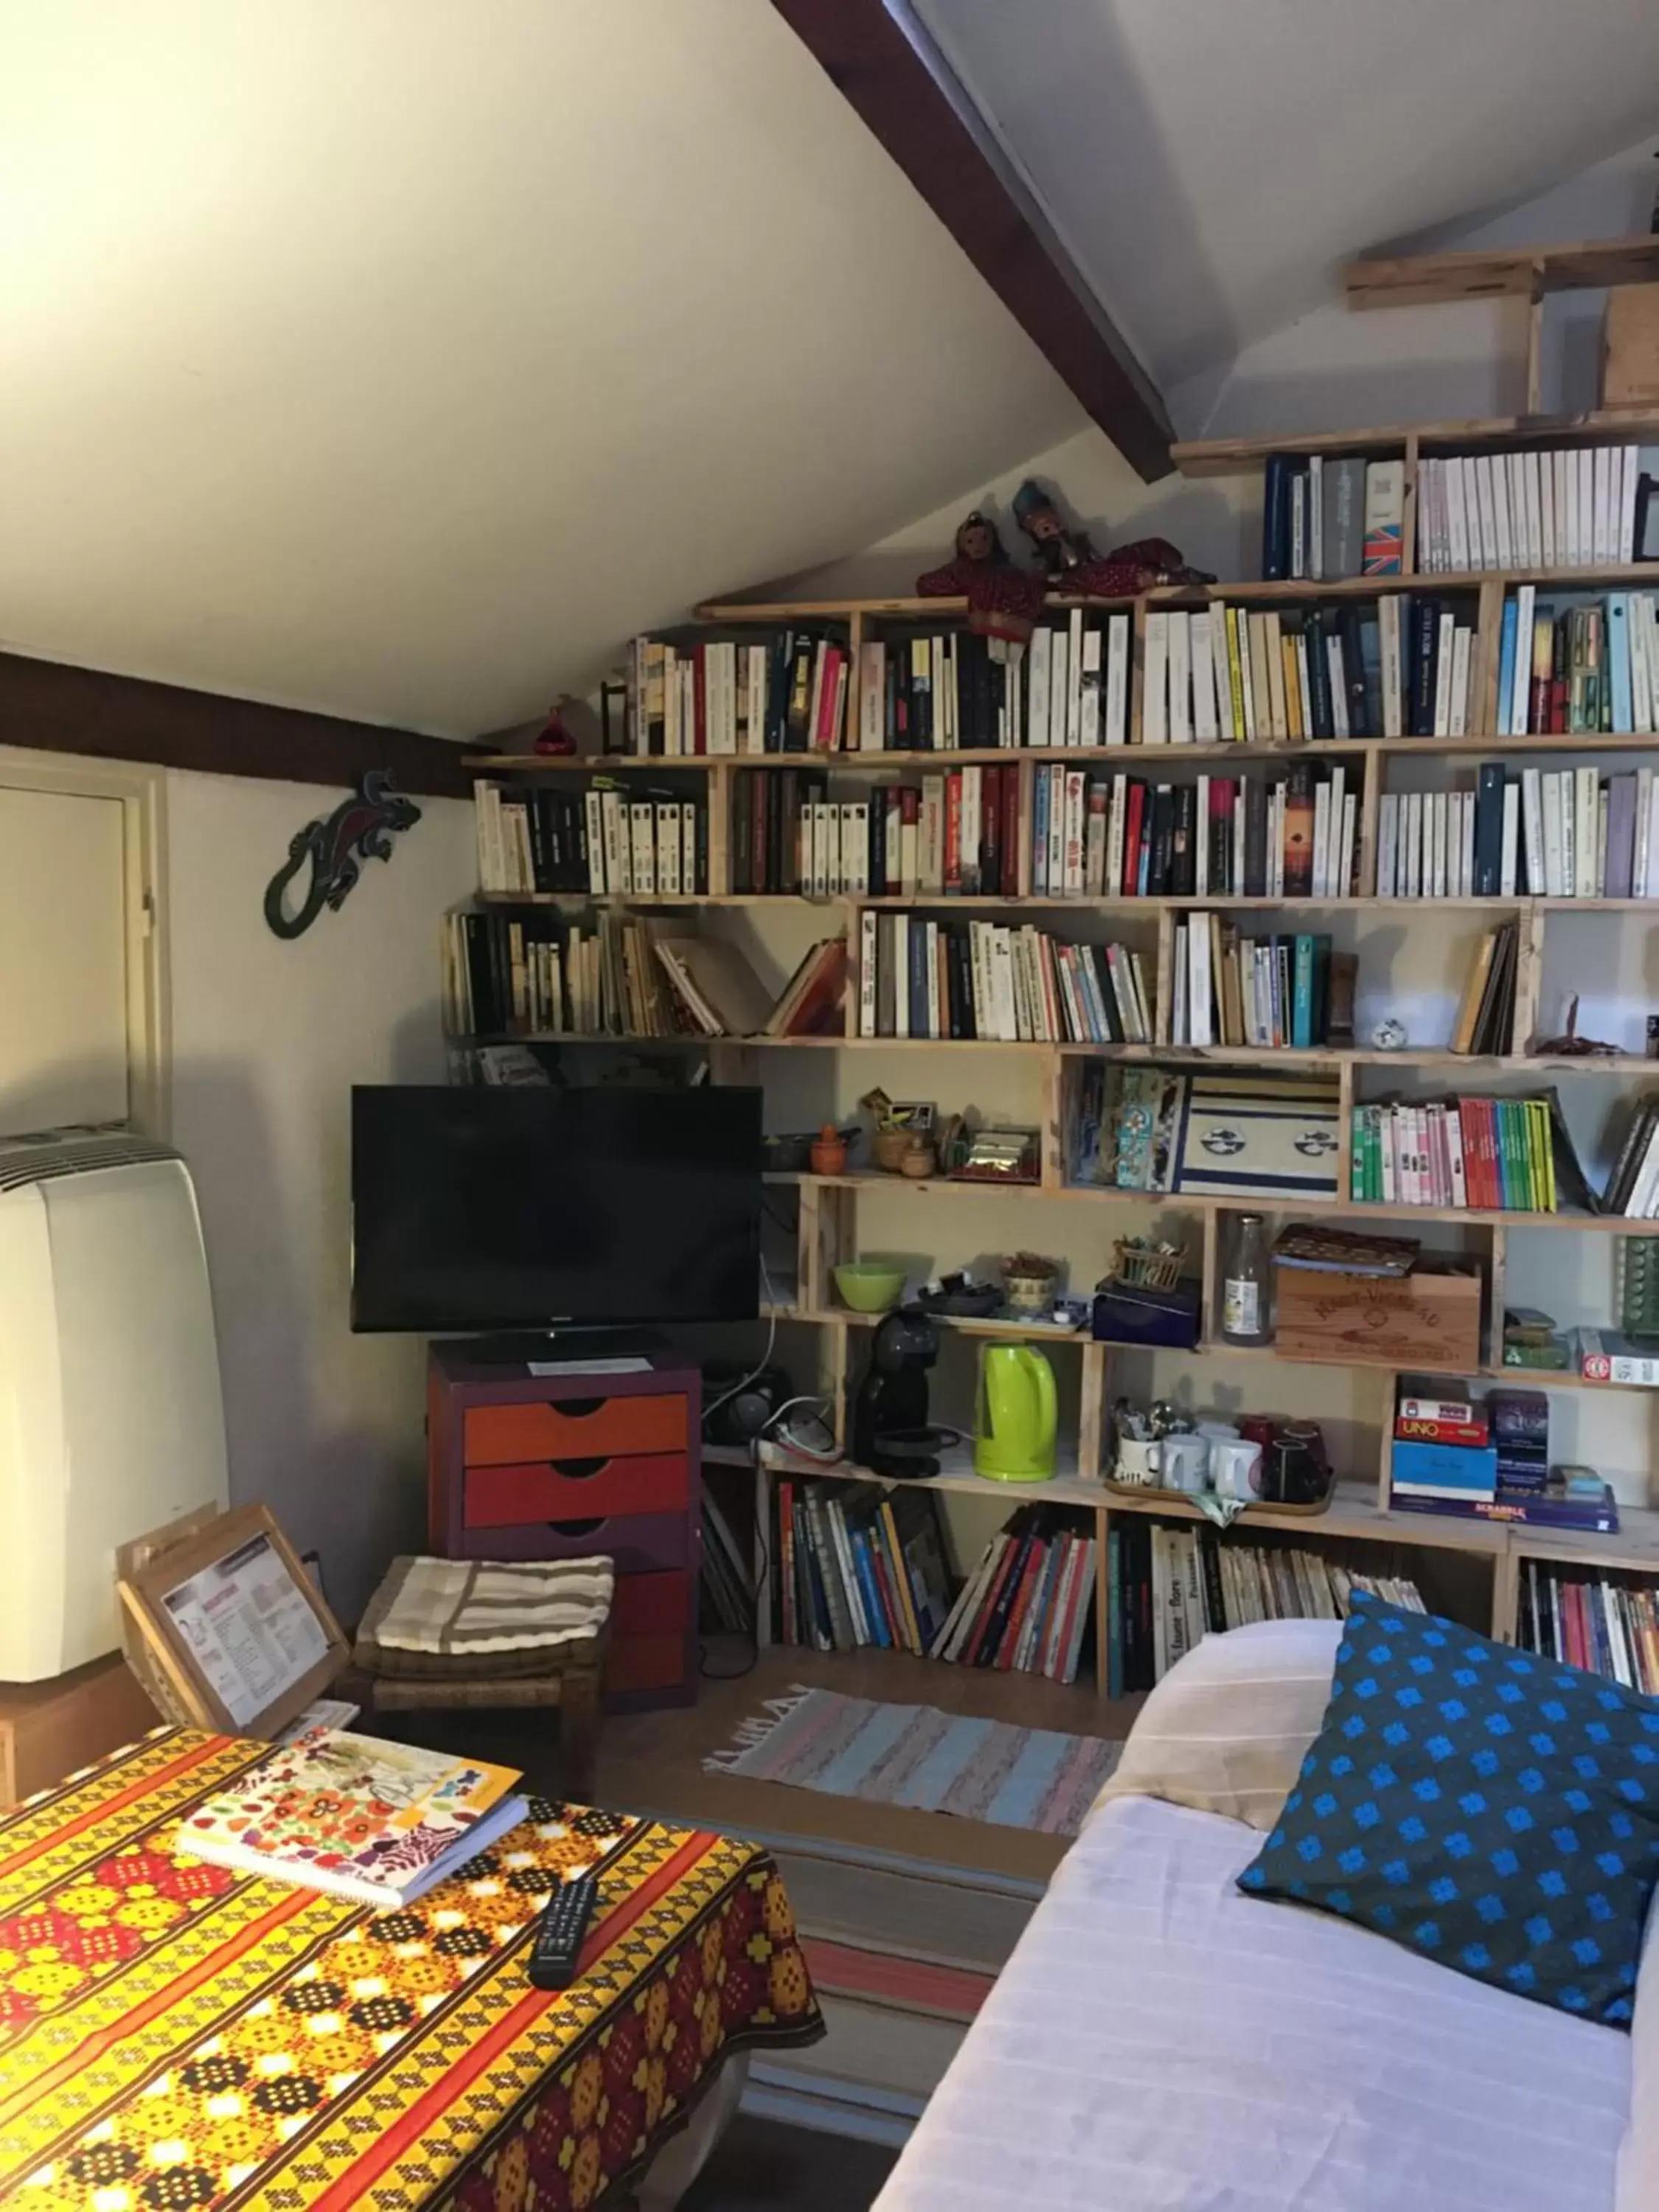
640	1543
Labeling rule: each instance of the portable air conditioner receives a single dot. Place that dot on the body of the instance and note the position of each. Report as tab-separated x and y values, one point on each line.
110	1418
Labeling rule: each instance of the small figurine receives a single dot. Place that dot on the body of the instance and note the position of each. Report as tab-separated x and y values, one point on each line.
1572	1045
1389	1035
556	741
1003	601
1071	564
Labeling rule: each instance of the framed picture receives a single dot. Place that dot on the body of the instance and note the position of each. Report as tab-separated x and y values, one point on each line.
911	1114
229	1631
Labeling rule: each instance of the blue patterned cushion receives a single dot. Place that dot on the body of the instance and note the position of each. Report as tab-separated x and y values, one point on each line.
1494	1810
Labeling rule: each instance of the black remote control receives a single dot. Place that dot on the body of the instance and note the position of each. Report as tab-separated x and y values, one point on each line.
558	1942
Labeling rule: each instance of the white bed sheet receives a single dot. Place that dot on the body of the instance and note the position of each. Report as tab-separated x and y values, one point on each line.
1159	2043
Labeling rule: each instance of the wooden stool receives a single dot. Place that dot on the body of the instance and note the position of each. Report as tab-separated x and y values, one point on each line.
573	1686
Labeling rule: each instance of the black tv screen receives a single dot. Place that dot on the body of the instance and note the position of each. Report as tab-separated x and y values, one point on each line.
524	1208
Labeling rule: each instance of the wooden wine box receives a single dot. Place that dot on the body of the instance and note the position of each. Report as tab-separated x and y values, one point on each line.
1429	1319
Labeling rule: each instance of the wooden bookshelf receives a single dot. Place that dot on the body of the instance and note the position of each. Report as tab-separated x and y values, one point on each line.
829	1208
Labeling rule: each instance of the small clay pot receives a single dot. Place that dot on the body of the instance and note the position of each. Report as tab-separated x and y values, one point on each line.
918	1160
829	1154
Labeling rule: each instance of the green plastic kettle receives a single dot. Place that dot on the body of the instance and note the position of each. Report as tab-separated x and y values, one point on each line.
1015	1438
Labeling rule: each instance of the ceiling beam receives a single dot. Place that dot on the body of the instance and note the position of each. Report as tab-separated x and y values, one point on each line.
52	707
899	87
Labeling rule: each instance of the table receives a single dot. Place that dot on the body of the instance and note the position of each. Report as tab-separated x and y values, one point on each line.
174	2035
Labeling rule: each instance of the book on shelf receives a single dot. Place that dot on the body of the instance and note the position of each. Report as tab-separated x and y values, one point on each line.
1325	517
379	1822
787	692
938	691
1028	1606
1580	666
1473	1154
1536	507
1077	681
1552	1508
727	1580
1232	988
1485	1021
1633	1186
954	833
1244	1133
860	1564
1586	1620
810	1003
919	977
1229	674
714	985
1167	1588
1531	833
1294	835
632	843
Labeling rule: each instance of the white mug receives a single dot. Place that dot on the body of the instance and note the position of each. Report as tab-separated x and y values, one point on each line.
1219	1432
1139	1459
1236	1469
1186	1461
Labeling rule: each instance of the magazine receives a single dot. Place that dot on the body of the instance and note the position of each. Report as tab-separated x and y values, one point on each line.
379	1822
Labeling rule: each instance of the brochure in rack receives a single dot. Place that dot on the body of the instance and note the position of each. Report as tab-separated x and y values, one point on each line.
379	1822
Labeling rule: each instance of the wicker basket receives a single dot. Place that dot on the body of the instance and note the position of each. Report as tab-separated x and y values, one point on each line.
1138	1269
888	1148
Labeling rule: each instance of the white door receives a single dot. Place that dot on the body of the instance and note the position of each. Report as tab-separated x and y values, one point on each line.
74	918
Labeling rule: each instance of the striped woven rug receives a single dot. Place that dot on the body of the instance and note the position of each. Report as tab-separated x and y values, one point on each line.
917	1756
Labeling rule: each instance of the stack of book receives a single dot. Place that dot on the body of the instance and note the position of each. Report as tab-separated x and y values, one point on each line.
921	978
1166	1588
1226	674
1293	836
530	976
381	1823
1549	507
939	692
1488	1460
1544	833
1486	1013
1029	1604
632	843
1230	988
1584	1620
1498	1155
860	1564
1578	668
1325	517
1633	1187
724	696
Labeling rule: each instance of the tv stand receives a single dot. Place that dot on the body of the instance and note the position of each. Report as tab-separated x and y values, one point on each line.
601	1456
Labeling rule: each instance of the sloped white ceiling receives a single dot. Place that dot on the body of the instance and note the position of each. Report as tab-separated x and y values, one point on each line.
397	358
1210	163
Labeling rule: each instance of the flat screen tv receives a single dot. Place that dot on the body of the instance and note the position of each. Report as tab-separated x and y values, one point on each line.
526	1208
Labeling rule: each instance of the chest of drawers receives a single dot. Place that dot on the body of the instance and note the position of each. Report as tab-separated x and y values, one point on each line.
587	1460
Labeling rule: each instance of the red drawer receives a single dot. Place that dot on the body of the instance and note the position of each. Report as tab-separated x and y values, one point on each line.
641	1544
573	1489
644	1662
646	1605
575	1428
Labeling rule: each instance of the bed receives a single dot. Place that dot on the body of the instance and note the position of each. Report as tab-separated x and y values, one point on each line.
1160	2043
174	2036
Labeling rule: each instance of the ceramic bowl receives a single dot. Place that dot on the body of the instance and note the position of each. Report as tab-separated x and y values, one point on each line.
870	1285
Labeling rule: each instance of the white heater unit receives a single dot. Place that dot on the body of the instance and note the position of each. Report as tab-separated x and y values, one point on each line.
112	1422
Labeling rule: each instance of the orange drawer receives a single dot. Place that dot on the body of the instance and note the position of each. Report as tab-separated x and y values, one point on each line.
645	1605
576	1428
644	1662
573	1489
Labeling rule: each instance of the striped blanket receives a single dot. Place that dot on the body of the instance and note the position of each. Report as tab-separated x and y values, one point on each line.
456	1617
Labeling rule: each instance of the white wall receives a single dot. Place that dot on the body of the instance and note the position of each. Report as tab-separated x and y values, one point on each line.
268	1039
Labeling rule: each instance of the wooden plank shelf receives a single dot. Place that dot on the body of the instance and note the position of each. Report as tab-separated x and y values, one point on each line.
1426	279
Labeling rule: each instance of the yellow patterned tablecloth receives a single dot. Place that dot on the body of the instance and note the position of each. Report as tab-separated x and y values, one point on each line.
175	2036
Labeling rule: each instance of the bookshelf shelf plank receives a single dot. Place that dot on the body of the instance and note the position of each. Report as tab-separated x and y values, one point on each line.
1230	457
956	1476
1420	280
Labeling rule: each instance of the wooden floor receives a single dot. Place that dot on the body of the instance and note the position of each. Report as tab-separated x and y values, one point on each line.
761	2166
653	1761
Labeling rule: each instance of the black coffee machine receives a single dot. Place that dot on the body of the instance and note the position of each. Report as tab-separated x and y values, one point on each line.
891	1434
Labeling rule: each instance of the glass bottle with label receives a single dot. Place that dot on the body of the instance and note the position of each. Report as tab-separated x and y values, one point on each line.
1245	1284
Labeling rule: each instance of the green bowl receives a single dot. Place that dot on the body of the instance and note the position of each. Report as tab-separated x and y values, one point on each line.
870	1285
